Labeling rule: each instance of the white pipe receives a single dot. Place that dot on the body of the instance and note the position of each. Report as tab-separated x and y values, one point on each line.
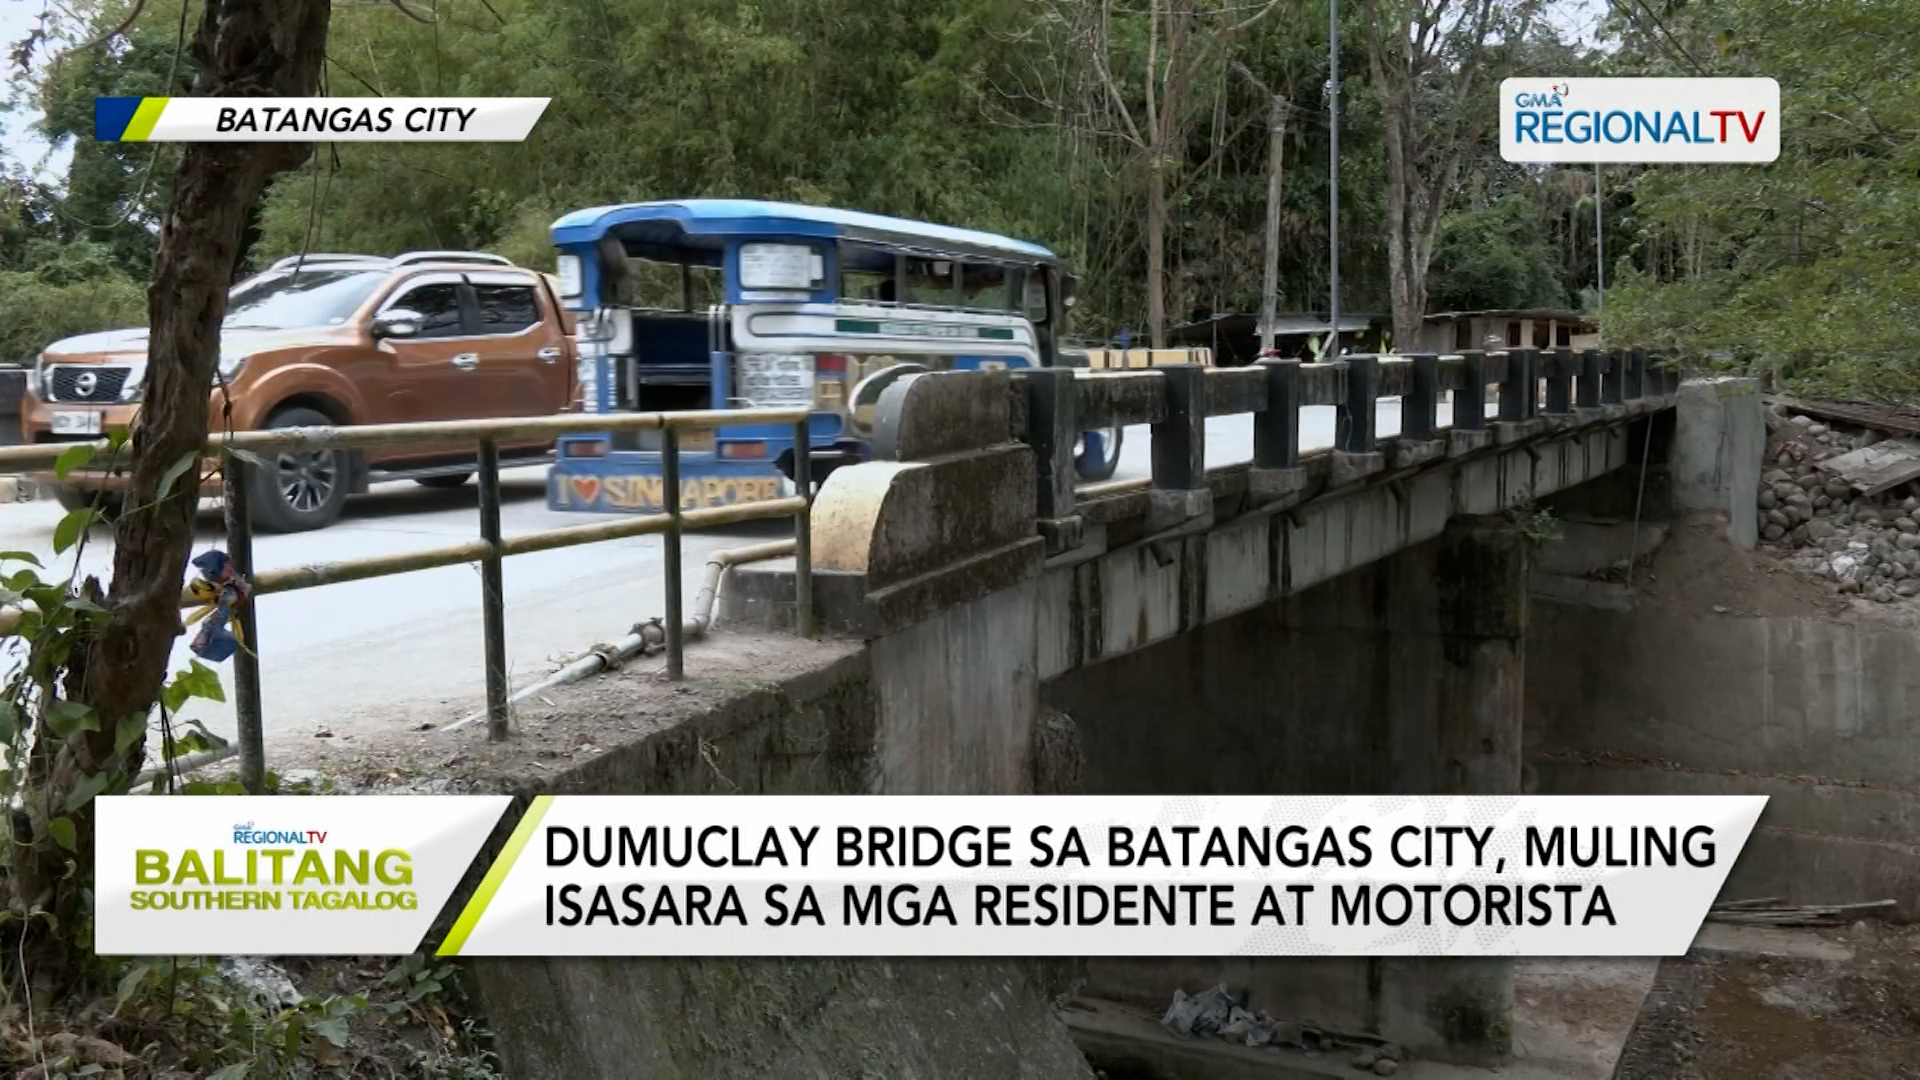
180	766
650	636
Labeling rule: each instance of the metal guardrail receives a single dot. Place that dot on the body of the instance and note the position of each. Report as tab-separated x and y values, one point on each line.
491	547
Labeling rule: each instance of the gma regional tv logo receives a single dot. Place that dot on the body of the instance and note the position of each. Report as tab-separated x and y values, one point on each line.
1701	121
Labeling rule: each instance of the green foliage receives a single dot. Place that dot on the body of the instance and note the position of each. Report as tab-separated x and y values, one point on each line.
1805	267
34	312
186	1011
1495	256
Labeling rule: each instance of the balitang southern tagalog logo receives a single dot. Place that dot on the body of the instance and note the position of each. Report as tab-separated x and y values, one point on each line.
275	869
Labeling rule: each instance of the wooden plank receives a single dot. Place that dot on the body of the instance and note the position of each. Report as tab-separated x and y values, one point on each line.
1873	469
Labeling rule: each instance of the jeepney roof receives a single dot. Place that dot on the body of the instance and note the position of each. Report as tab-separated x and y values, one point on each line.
694	229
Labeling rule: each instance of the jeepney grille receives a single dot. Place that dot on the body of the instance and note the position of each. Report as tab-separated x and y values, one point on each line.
103	387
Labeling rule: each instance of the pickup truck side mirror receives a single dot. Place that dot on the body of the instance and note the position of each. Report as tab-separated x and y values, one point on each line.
397	322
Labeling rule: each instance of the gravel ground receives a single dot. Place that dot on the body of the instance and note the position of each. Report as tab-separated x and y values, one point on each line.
1731	1016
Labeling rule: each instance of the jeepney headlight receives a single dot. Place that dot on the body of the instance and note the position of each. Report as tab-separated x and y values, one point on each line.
774	379
42	378
569	273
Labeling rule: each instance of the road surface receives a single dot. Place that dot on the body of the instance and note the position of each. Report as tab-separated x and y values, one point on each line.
405	652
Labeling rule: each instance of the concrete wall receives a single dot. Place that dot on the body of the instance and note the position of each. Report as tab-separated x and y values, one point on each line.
1336	690
567	1019
1823	716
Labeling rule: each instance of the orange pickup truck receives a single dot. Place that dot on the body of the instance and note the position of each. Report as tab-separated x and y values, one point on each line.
337	339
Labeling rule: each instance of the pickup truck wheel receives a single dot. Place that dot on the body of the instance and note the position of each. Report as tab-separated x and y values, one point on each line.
71	498
443	483
298	490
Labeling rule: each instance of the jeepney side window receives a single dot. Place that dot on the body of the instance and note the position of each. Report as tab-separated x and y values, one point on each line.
654	286
706	286
868	275
1034	295
933	282
985	287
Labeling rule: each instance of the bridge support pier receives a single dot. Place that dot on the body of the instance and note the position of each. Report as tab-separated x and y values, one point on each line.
1401	677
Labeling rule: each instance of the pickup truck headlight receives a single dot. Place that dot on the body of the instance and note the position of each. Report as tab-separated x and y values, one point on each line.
42	381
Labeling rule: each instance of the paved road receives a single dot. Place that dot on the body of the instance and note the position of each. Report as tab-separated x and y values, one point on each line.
406	651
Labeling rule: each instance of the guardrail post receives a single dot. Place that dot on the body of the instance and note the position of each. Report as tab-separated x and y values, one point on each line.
1053	423
1420	410
246	661
670	492
1636	380
1180	441
803	531
1276	429
1356	418
1470	403
493	599
1587	396
1520	390
1613	379
1560	382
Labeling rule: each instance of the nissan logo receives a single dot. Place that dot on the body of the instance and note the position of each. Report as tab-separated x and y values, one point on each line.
86	383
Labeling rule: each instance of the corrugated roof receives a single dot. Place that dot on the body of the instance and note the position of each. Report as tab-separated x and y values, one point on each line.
1515	313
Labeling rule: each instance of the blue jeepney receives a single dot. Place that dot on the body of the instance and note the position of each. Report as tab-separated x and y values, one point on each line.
722	304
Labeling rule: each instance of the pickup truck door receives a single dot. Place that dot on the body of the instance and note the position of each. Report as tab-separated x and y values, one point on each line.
424	377
521	364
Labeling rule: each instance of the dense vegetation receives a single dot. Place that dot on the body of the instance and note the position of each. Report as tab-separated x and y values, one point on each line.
1033	117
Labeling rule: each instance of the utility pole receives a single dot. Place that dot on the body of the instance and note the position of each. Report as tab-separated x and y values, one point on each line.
1333	174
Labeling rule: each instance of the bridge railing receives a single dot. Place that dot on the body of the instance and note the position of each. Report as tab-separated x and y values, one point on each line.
1527	384
231	454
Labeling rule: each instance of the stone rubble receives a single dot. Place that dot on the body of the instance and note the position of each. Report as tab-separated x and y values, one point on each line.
1866	547
1217	1014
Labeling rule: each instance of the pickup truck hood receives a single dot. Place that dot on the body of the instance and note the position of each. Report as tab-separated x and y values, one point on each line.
132	344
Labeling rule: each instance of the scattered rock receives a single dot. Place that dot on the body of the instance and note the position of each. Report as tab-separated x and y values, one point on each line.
1836	489
262	980
1774	531
1386	1066
1817	430
1768	498
1365	1058
1803	421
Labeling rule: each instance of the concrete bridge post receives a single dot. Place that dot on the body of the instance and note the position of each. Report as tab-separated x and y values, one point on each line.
1179	449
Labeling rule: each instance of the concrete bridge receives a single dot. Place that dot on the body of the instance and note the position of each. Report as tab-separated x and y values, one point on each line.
1351	621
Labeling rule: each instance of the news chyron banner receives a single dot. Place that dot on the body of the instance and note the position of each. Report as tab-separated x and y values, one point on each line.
324	119
281	875
1640	121
897	876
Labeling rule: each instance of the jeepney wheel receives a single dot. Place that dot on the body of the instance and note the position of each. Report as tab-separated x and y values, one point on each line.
1096	454
71	498
298	490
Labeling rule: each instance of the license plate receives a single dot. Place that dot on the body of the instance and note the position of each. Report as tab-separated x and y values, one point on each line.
76	423
697	441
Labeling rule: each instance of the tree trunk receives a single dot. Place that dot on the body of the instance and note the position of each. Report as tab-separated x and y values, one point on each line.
1270	273
244	48
1157	249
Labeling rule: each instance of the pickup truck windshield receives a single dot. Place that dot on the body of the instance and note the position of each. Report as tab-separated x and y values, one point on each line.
294	302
